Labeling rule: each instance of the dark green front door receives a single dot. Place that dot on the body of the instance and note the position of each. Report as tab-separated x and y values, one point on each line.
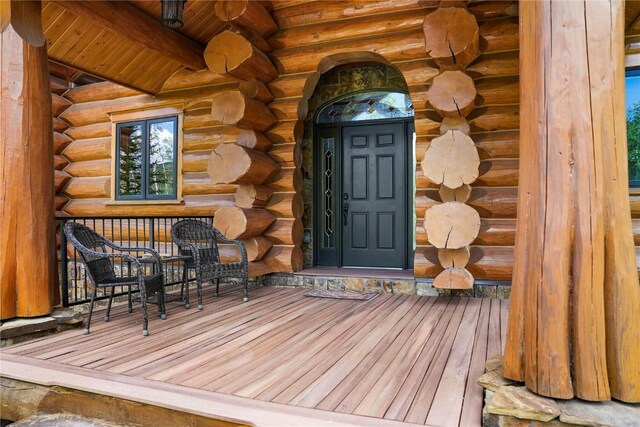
373	203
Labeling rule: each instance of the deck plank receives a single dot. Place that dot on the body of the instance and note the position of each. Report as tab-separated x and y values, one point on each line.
363	354
429	386
473	395
399	359
449	397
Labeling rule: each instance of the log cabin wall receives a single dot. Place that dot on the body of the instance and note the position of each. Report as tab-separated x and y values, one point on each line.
314	37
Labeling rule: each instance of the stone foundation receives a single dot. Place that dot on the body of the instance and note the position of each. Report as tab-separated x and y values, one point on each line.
380	285
510	404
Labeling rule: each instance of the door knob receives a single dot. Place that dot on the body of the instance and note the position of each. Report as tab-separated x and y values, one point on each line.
345	212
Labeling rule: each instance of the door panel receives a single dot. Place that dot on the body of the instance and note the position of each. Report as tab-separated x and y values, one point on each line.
374	201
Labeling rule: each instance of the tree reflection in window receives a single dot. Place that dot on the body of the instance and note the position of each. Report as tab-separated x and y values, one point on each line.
147	159
370	105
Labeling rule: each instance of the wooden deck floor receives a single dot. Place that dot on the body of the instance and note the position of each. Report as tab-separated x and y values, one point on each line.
404	358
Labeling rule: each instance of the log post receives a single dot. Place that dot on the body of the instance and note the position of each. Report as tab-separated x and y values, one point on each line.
27	197
574	323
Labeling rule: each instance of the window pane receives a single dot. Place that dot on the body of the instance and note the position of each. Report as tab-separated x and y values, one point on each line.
633	123
161	158
130	167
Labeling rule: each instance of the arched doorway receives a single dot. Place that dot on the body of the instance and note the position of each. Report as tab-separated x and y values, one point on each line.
358	164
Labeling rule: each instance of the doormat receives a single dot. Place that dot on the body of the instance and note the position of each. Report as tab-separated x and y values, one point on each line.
323	293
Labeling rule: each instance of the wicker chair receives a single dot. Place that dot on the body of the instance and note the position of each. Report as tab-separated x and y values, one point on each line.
100	269
198	240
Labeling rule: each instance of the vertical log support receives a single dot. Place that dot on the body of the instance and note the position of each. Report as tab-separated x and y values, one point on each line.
27	232
452	161
574	323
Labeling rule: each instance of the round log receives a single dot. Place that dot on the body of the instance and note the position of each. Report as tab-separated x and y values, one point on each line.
455	123
89	187
60	142
246	13
100	167
285	258
451	225
286	205
252	196
59	162
257	247
231	53
255	89
286	231
61	179
58	104
452	159
452	37
452	94
238	223
460	194
288	179
233	108
454	258
253	139
454	278
233	164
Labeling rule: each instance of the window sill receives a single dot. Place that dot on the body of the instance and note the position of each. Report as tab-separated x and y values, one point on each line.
143	202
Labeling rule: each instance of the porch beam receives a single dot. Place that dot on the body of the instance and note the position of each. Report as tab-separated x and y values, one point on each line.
127	21
574	323
27	227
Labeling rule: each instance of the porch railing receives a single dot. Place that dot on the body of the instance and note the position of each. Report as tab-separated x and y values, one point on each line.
135	231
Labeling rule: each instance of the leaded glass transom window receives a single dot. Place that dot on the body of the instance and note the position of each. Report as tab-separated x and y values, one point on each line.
371	105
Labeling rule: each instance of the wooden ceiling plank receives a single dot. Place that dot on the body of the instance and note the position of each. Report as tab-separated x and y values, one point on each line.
96	48
156	82
134	57
87	38
166	70
50	12
139	27
150	66
68	38
58	27
130	53
101	63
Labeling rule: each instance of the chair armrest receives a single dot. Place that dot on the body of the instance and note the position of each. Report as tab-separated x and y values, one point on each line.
242	249
155	255
195	253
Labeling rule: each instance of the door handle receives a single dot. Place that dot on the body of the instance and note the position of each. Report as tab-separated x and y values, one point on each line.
345	212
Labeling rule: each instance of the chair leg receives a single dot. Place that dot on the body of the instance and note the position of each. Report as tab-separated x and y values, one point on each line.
130	301
93	298
245	280
161	307
106	316
199	289
145	318
185	287
217	282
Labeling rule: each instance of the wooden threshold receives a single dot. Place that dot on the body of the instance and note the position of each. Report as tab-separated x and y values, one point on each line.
200	402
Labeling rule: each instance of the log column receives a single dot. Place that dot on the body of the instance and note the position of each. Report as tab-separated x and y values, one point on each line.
452	160
574	324
27	231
